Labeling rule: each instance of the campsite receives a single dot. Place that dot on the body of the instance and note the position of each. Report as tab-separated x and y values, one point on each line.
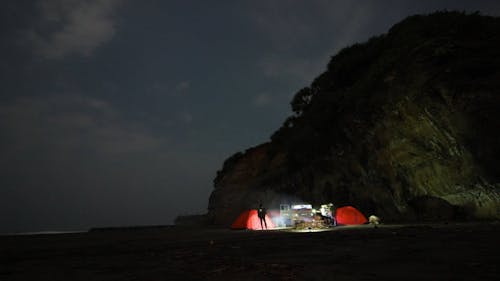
466	251
299	216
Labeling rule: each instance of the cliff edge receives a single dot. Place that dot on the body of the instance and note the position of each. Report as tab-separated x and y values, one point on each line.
404	126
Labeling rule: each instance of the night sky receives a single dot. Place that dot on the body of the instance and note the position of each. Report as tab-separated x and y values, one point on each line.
120	112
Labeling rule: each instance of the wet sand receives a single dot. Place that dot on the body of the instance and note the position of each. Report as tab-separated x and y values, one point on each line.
390	252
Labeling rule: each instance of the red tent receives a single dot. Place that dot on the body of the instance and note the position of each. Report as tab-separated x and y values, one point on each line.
250	220
349	215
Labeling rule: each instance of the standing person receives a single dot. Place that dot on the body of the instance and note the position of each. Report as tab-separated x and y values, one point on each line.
261	212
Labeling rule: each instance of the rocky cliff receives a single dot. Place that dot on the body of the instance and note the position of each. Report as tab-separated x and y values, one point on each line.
404	126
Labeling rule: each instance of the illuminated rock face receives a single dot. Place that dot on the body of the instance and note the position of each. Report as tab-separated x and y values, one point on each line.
404	126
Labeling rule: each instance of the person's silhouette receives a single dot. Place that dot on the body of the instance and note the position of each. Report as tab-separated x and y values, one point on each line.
261	212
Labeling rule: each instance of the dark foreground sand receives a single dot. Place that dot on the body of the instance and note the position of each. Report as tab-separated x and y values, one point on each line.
417	252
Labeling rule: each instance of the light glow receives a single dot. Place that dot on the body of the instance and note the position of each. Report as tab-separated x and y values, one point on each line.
301	206
250	220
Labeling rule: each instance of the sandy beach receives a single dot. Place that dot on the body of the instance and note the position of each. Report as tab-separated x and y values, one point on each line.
389	252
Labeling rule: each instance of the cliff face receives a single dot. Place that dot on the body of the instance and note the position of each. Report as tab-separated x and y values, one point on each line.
403	126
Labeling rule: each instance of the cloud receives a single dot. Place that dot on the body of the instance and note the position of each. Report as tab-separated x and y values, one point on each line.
262	100
303	36
65	124
68	27
72	162
173	89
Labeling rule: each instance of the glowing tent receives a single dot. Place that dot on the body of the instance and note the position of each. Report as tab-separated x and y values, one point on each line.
349	215
250	220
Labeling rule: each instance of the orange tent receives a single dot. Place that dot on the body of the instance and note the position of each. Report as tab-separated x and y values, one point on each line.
250	220
349	215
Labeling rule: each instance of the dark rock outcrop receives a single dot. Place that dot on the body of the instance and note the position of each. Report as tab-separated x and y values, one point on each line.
401	126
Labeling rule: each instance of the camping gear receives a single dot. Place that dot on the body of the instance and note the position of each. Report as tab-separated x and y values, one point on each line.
249	219
301	213
373	219
285	216
349	215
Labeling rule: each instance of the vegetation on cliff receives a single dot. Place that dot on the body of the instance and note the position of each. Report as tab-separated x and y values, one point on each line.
403	126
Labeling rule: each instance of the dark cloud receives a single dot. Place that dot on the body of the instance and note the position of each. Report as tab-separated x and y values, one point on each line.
71	160
69	122
262	100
